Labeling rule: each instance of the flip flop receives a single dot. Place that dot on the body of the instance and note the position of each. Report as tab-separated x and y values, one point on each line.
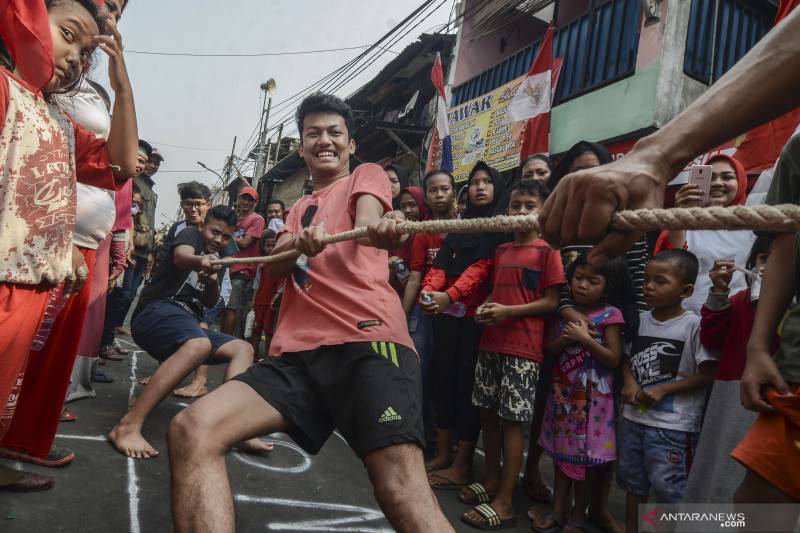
558	525
448	484
577	525
537	493
111	354
101	377
66	416
479	495
57	457
492	520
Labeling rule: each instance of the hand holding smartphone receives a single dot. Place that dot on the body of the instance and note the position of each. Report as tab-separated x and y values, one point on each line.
700	175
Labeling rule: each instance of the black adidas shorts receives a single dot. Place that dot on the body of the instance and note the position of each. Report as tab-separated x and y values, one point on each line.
371	391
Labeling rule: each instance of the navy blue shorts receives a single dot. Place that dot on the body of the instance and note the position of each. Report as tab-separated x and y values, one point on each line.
162	326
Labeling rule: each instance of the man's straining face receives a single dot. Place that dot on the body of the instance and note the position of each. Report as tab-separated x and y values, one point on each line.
216	234
326	144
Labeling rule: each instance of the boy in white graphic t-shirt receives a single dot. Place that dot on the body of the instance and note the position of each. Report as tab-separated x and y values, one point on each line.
664	389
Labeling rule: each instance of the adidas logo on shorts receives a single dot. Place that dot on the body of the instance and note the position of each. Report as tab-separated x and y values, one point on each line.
389	415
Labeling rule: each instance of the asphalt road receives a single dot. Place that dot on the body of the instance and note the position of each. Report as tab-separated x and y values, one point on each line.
102	491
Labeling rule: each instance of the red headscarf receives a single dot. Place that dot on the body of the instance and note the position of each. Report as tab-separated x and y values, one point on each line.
419	196
663	242
741	176
25	30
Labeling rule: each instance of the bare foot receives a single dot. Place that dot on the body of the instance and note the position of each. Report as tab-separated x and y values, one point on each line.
604	520
255	445
192	390
449	478
129	441
438	463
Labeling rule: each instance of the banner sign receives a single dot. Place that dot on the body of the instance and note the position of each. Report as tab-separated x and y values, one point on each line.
479	131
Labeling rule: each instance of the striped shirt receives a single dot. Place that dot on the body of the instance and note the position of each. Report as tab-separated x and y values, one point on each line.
636	258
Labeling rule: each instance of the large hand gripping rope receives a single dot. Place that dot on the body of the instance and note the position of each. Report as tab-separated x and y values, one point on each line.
777	218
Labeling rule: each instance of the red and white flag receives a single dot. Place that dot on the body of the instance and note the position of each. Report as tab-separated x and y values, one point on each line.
760	147
534	99
440	154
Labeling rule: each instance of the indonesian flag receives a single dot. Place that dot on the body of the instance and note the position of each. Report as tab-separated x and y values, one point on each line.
534	99
760	147
440	154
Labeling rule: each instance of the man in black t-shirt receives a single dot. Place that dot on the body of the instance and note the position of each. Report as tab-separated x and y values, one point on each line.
166	324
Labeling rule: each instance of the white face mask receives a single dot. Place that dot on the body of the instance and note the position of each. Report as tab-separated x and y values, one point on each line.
134	210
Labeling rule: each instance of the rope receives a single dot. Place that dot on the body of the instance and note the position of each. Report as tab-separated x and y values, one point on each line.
778	218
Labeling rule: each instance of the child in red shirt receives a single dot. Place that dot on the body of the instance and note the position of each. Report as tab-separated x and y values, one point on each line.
456	284
439	187
526	281
262	298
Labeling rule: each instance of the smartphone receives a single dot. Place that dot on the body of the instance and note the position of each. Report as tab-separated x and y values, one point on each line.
700	175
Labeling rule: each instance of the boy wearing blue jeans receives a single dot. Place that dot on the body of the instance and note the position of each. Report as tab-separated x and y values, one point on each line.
664	388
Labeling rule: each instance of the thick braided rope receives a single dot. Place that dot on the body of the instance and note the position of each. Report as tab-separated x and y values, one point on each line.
778	218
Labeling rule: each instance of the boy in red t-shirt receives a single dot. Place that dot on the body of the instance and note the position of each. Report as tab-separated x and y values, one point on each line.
265	291
525	287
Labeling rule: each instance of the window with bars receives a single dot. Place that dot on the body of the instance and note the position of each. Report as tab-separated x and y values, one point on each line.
720	33
597	48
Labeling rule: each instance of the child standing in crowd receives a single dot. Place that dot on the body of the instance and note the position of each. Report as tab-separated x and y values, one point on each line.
525	287
41	153
455	286
439	187
665	385
265	287
578	429
727	321
411	201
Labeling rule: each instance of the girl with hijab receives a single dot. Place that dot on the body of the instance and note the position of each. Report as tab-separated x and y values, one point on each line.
411	201
398	180
455	285
728	187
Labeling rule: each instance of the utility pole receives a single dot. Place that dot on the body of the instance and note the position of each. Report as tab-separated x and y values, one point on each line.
229	166
261	157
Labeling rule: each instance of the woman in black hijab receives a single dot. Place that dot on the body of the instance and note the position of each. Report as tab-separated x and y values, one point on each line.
398	180
462	267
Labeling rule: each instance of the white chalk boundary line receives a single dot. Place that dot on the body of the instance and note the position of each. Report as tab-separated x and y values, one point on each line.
360	514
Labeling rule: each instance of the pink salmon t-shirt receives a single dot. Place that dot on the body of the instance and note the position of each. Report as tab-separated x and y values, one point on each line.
342	294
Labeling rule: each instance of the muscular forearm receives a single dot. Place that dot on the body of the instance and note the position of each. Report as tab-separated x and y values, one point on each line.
777	291
123	137
761	86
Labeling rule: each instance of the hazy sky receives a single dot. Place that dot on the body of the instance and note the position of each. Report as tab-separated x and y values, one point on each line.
202	102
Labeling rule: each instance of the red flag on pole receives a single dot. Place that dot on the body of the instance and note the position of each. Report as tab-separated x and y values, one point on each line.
534	99
760	147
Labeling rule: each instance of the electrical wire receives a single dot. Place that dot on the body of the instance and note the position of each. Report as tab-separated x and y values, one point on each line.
255	54
332	85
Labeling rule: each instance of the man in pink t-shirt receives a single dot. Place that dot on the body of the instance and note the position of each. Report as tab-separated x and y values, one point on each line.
342	356
248	233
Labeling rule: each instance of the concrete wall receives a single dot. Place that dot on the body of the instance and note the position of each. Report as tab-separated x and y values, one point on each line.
675	90
291	188
477	55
